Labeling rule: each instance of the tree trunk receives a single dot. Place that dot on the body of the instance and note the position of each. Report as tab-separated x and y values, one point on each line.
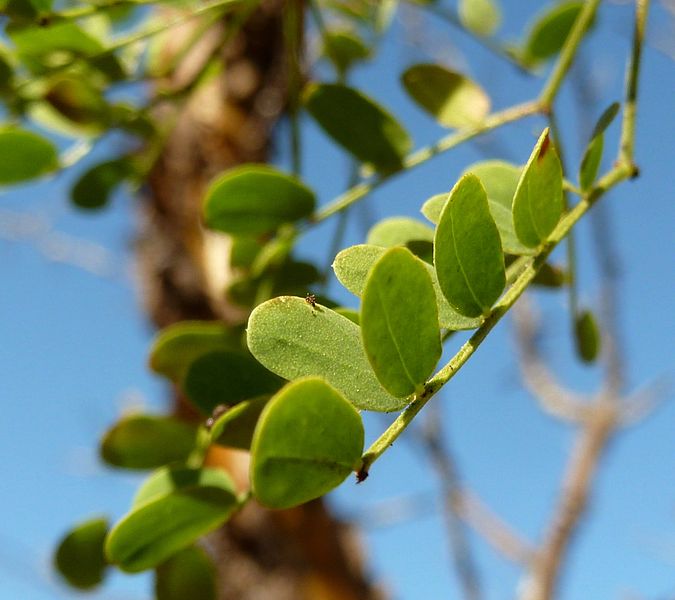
302	553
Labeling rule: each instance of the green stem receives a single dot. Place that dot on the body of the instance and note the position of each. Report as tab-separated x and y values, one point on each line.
567	54
356	193
619	173
293	36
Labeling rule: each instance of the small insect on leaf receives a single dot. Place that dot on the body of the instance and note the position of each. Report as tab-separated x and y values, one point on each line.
311	300
219	410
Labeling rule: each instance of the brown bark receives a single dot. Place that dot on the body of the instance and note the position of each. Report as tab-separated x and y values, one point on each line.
293	554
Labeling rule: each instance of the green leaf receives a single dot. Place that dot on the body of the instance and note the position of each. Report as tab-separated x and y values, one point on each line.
538	201
188	574
398	231
255	199
349	313
590	163
25	155
293	339
165	523
147	442
482	17
359	125
308	440
78	101
352	265
451	98
227	377
344	49
178	346
244	251
399	322
587	336
79	556
467	250
92	190
235	427
500	180
549	31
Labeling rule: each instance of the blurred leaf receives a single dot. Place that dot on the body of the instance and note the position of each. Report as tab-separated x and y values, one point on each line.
587	336
189	573
235	427
590	163
352	265
177	346
147	442
78	101
550	276
79	556
244	251
25	155
451	98
154	530
398	231
344	49
467	251
549	31
93	189
359	125
255	199
538	201
482	17
399	322
351	314
293	339
308	439
227	377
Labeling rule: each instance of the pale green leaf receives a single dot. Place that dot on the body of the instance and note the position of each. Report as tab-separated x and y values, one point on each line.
308	440
25	155
482	17
398	231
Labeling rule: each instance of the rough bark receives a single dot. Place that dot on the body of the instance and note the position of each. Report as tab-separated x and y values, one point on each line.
299	553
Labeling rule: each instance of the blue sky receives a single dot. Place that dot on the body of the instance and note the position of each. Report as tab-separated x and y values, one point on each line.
73	350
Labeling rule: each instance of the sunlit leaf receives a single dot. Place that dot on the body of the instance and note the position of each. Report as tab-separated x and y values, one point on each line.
25	155
482	17
79	556
308	440
538	201
255	199
398	231
344	49
399	322
451	98
358	124
189	573
467	250
294	339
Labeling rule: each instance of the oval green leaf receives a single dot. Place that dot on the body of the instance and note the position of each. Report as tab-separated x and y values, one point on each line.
147	442
538	201
79	557
177	346
467	251
352	265
344	49
93	189
25	156
255	199
188	574
308	440
359	125
235	427
398	231
399	322
451	98
294	339
590	163
482	17
156	529
227	377
587	336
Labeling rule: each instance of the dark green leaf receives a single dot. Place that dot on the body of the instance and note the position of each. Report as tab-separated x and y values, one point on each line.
482	17
227	377
92	190
399	322
308	439
550	276
165	523
344	49
25	155
590	163
79	102
147	442
538	201
178	346
79	557
359	125
294	339
255	199
587	336
235	427
451	98
398	231
467	251
243	252
352	265
188	574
